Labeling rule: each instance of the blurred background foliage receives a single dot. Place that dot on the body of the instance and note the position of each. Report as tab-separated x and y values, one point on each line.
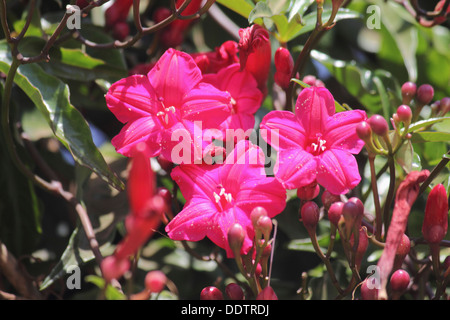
61	109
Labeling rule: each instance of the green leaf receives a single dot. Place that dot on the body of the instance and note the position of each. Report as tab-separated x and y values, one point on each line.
430	136
298	8
111	293
404	35
373	88
20	208
242	7
425	123
51	97
309	20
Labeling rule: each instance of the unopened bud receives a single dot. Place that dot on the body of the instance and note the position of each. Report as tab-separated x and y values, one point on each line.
211	293
329	198
368	291
399	281
335	212
234	292
257	213
408	92
155	281
264	225
113	268
402	251
310	214
236	236
363	243
364	131
353	212
425	94
308	192
404	114
267	294
435	223
445	104
378	124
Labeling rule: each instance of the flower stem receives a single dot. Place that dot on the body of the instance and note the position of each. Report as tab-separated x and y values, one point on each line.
376	197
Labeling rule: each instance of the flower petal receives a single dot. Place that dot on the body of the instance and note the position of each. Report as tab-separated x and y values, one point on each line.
341	131
173	76
313	108
337	171
266	192
196	180
145	129
131	98
295	168
194	222
207	105
282	130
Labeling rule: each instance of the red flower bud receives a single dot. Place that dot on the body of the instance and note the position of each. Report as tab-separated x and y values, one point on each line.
363	243
445	104
408	92
335	212
155	281
255	54
402	251
284	65
236	236
368	291
404	113
113	268
310	214
435	223
264	225
117	12
257	213
328	199
352	211
425	94
267	294
211	293
399	281
308	192
364	131
234	292
378	124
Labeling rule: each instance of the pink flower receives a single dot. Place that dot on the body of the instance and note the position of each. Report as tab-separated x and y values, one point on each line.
284	65
167	104
255	53
221	57
218	196
246	98
315	144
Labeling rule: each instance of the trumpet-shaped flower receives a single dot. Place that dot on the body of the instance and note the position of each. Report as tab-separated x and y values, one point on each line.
146	209
315	143
218	196
169	102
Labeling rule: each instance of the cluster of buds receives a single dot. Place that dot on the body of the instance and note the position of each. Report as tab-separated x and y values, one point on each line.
116	18
253	265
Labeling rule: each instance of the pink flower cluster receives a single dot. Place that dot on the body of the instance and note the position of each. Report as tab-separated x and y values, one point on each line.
195	98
